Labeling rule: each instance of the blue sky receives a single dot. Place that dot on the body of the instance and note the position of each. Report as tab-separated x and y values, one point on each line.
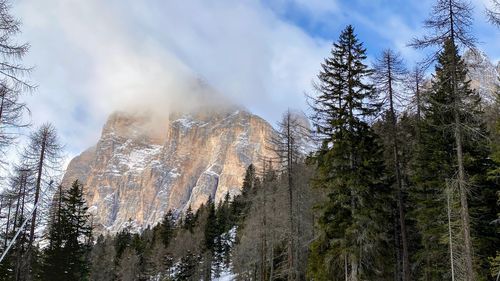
93	57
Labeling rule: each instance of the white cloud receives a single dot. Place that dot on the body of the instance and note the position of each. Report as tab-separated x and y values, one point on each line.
94	57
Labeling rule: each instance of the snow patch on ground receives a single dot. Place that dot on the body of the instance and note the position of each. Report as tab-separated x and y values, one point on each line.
226	276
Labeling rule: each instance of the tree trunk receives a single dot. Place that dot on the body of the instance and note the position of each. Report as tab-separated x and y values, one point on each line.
397	172
464	208
8	224
354	268
37	190
291	261
450	238
2	101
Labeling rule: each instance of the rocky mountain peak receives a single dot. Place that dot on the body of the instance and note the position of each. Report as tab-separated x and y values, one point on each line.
144	165
482	73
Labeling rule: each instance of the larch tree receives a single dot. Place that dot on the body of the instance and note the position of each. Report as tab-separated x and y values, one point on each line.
12	77
494	13
287	144
43	156
128	265
102	259
389	76
414	84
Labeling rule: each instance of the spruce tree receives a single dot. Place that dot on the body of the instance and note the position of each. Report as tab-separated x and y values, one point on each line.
211	233
189	220
350	168
167	228
186	268
69	237
453	107
55	265
79	233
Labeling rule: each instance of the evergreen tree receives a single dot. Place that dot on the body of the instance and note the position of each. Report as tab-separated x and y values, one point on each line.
55	266
452	106
123	240
241	202
350	168
70	237
79	233
450	23
211	233
167	228
189	220
186	269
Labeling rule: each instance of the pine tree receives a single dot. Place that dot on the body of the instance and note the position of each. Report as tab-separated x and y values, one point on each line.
349	167
241	202
70	237
55	264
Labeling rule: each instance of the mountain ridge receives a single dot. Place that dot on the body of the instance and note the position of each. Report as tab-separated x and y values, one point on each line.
138	174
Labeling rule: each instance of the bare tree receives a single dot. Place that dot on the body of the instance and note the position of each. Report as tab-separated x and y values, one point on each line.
11	115
43	157
494	13
449	19
128	266
389	73
415	86
12	76
288	144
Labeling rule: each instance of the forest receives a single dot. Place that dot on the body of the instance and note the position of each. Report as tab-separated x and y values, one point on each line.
403	183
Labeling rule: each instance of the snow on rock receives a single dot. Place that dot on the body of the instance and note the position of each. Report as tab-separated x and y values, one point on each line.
140	167
483	74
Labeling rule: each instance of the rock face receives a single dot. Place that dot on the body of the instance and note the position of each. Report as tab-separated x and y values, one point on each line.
483	73
141	166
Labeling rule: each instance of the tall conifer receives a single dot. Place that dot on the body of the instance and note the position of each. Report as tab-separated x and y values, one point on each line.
350	168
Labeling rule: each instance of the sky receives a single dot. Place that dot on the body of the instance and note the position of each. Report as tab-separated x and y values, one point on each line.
93	57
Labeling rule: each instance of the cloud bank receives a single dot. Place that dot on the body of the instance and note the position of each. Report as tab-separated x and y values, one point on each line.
93	57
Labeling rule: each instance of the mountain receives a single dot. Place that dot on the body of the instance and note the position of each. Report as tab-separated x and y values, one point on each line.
143	166
483	73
